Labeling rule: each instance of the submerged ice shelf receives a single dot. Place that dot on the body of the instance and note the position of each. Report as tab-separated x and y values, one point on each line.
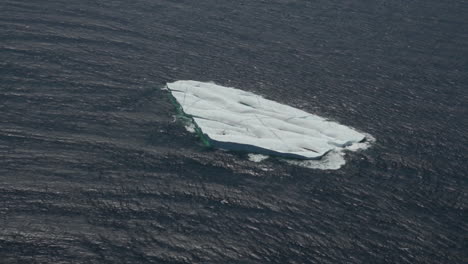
233	119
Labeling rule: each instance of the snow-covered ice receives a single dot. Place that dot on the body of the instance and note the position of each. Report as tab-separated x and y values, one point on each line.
234	119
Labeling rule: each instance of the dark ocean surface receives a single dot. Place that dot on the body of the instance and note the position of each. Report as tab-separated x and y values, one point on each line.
93	168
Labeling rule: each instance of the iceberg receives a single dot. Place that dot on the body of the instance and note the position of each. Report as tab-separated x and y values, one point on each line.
233	119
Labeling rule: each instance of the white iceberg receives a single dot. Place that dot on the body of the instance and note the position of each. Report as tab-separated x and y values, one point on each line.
233	119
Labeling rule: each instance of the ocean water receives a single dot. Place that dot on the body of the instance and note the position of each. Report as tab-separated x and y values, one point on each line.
95	168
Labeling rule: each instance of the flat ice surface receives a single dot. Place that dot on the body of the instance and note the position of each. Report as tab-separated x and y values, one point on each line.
238	120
